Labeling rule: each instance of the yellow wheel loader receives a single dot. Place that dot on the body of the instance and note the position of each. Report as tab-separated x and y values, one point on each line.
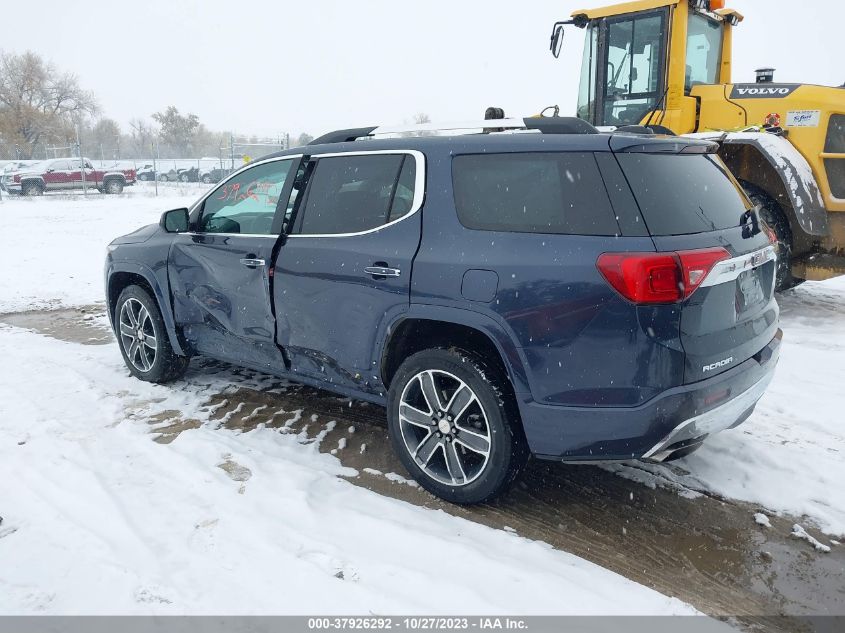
666	65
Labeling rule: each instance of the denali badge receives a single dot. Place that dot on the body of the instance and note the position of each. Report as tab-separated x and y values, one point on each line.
717	364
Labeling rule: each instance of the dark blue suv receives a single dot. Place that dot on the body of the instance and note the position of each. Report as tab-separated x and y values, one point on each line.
579	297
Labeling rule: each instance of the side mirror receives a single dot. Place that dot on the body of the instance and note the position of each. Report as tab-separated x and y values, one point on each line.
556	42
175	221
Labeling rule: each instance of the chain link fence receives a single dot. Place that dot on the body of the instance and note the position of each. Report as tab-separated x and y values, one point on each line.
156	166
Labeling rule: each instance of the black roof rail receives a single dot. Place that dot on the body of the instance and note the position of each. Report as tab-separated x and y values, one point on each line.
559	125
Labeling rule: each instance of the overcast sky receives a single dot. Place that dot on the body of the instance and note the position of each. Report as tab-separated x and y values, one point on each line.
269	67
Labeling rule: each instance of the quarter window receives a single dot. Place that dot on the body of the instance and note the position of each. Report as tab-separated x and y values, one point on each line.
349	194
533	193
246	203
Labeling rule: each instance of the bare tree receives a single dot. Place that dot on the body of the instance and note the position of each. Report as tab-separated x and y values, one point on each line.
38	101
142	136
419	119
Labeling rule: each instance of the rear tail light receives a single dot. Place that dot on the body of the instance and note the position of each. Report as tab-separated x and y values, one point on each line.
659	277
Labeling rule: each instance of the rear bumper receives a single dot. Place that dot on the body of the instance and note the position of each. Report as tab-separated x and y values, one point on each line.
678	418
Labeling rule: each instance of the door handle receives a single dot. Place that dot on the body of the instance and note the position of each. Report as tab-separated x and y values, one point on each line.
382	271
252	262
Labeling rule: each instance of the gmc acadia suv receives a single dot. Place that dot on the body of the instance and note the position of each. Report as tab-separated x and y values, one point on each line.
572	296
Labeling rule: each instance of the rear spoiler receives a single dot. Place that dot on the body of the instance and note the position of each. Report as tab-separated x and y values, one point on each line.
621	142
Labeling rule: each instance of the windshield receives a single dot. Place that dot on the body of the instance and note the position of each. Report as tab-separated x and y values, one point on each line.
704	48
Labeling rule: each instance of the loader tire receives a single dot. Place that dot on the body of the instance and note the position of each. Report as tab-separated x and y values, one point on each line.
772	214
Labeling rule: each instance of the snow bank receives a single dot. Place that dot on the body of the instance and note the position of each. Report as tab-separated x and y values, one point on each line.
99	519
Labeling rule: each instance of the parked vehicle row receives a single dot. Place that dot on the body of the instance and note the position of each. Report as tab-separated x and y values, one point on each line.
60	174
189	174
580	297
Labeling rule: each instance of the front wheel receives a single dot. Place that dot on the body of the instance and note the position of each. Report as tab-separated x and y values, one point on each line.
453	427
32	189
143	338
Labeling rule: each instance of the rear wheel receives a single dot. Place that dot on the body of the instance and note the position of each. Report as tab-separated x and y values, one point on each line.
184	178
143	338
32	189
206	180
143	177
453	428
772	214
162	177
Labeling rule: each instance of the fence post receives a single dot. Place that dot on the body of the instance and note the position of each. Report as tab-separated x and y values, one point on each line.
81	163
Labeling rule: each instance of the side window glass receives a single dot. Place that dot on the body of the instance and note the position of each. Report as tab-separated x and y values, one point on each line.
246	203
560	193
348	194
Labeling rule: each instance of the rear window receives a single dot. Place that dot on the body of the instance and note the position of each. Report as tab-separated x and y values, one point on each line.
680	194
532	193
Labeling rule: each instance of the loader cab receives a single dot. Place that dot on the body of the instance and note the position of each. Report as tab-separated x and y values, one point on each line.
642	59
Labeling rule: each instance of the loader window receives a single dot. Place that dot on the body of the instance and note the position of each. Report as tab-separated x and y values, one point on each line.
704	51
587	87
633	68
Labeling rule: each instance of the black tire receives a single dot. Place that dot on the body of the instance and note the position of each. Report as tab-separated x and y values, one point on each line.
481	477
162	177
206	180
32	189
113	186
184	178
143	177
166	365
771	213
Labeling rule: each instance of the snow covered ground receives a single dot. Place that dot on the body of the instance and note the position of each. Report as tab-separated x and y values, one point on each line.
99	519
52	248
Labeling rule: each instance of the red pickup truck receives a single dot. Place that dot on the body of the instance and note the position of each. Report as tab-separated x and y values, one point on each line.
65	174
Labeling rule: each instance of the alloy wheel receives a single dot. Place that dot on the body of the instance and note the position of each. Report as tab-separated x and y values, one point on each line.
444	427
137	335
